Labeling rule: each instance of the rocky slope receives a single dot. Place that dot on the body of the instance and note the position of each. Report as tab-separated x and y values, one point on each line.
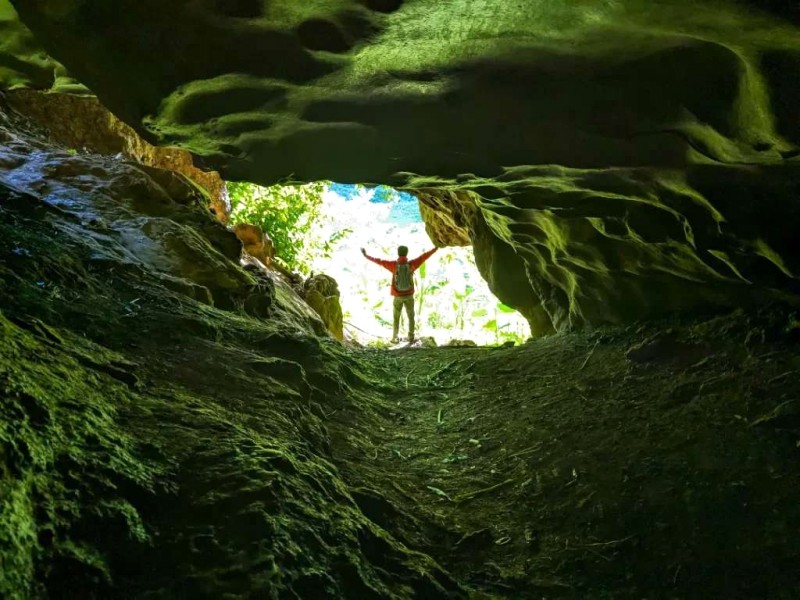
81	123
175	425
627	159
162	418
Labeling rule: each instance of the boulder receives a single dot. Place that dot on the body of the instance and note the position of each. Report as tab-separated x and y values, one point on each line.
322	294
255	241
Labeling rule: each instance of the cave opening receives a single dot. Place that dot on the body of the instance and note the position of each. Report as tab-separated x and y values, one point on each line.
177	422
319	228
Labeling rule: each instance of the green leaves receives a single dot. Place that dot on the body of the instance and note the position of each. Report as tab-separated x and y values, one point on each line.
286	213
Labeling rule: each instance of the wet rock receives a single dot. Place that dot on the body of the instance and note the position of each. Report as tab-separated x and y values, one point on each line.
82	123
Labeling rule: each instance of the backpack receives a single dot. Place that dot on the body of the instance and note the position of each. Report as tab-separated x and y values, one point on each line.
403	280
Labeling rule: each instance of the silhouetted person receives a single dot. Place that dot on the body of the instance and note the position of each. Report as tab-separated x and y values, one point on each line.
402	285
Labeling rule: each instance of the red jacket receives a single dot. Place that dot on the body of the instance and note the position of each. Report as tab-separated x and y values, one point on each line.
391	265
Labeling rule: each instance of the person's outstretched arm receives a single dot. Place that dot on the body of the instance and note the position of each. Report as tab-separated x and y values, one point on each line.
415	264
386	264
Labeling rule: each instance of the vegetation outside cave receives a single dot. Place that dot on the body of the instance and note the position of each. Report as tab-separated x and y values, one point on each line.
319	228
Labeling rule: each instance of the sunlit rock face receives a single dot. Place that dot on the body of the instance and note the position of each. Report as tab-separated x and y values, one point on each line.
627	158
322	294
81	123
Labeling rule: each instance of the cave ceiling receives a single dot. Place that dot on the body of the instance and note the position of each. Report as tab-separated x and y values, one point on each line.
380	90
606	143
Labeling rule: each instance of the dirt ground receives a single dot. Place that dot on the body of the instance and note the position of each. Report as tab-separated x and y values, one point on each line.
656	461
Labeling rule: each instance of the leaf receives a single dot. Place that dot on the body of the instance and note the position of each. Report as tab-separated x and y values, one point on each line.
438	492
503	308
490	325
481	312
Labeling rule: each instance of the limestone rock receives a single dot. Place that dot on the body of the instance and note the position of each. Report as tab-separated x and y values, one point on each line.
83	123
322	294
157	439
426	342
256	242
136	217
447	216
601	177
23	63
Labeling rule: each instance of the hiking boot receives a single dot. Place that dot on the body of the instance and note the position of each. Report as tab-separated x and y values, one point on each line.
394	341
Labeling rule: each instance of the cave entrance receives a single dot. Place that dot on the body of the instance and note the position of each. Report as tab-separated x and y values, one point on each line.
320	228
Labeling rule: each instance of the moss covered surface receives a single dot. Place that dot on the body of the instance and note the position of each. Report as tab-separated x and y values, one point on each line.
174	425
654	461
163	429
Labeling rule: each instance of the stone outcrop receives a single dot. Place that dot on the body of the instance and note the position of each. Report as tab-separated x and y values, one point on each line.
606	246
448	216
627	159
162	424
82	123
322	294
255	242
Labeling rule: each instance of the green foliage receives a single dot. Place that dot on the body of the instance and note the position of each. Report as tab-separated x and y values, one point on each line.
288	214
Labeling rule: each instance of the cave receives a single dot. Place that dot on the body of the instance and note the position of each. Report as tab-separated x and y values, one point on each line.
181	416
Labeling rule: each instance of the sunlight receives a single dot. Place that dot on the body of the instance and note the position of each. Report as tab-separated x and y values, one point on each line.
453	302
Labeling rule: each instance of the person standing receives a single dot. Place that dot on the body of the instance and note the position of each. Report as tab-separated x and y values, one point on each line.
402	287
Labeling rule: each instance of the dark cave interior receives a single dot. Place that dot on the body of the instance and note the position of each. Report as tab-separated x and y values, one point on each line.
180	419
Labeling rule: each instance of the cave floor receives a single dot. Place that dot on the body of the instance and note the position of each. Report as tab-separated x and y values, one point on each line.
653	461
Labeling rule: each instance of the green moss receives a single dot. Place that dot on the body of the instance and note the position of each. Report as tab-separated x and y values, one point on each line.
59	420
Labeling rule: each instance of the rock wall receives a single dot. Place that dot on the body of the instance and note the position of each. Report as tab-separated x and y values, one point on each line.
162	418
627	158
82	123
571	248
23	63
322	294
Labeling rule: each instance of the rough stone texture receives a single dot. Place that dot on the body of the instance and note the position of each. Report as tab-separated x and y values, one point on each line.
22	60
82	123
256	243
161	423
168	433
447	216
629	158
322	294
624	244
